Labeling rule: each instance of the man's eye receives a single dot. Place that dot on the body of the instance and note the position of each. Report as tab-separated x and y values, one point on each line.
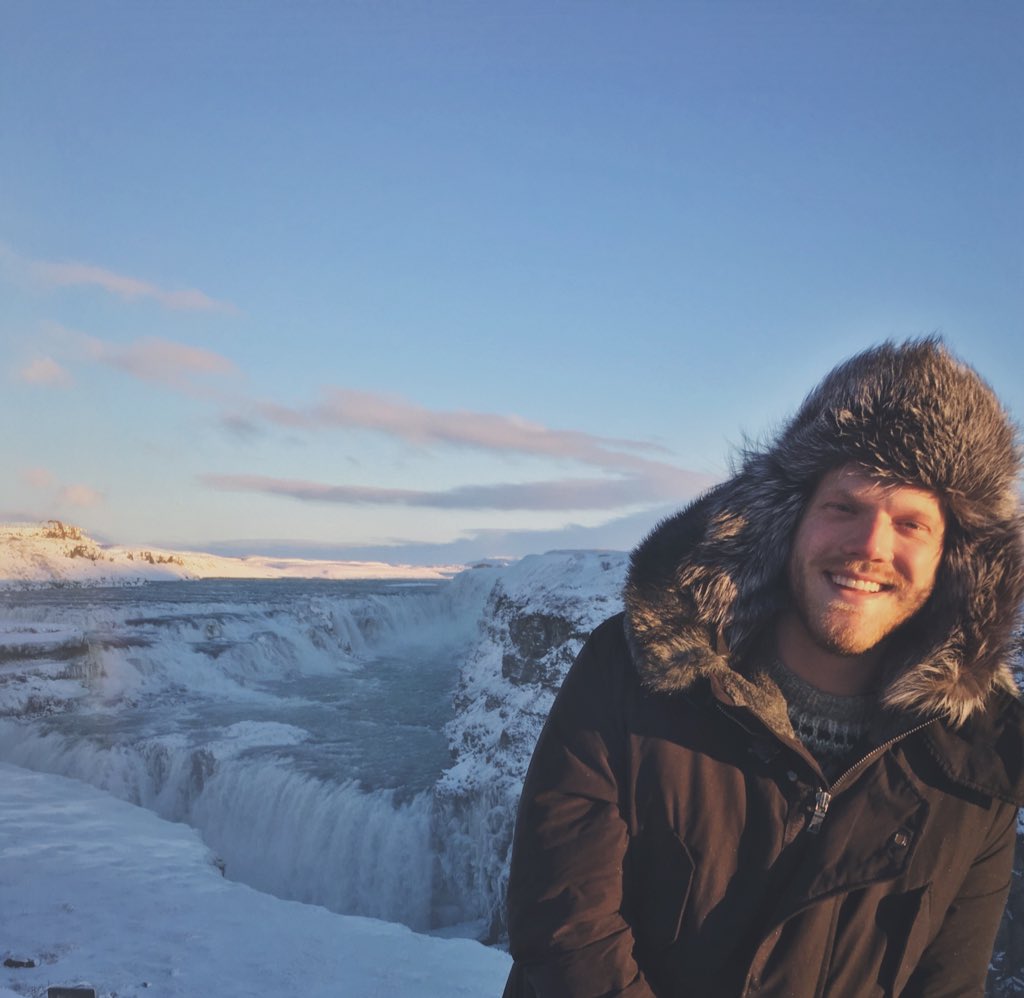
839	507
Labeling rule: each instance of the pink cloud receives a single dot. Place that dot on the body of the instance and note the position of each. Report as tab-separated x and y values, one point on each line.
38	478
633	477
44	371
79	495
75	274
347	407
416	424
76	494
163	361
129	288
282	415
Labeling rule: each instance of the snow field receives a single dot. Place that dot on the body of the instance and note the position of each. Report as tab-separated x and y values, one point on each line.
99	892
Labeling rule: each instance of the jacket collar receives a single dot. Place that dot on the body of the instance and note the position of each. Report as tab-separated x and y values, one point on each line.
987	753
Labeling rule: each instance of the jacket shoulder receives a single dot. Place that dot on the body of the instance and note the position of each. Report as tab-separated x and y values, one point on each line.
609	638
987	753
596	684
605	655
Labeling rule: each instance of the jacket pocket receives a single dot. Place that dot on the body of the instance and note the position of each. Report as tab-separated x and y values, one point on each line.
664	871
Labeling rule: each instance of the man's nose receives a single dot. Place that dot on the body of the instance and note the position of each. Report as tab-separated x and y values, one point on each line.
870	538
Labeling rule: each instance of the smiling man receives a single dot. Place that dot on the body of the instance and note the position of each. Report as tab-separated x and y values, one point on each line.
792	766
864	561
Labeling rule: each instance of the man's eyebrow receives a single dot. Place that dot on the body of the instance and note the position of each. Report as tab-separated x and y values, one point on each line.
840	492
916	504
936	518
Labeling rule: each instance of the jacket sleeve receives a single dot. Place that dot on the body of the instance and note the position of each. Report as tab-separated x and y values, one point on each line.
566	929
957	959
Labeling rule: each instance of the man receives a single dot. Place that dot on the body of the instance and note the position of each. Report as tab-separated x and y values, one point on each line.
792	766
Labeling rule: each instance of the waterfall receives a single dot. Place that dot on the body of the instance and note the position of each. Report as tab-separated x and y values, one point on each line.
299	729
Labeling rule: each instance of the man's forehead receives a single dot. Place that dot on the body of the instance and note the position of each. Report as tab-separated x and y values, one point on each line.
857	480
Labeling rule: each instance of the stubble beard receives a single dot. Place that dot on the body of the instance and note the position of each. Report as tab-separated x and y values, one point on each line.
846	629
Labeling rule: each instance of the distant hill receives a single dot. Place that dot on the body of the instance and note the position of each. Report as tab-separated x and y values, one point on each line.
56	553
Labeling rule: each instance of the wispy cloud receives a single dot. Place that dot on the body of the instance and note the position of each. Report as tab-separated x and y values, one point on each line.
632	472
75	494
176	365
347	408
631	475
554	495
45	371
75	274
191	369
79	495
180	366
240	427
38	478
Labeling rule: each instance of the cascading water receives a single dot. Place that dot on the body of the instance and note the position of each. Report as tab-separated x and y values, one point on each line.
298	726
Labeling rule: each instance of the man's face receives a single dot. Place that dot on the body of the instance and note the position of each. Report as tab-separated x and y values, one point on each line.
864	559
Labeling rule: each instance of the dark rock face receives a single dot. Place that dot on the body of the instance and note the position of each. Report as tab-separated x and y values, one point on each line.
538	652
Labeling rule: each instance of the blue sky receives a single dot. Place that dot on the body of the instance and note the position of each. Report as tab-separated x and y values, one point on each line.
436	281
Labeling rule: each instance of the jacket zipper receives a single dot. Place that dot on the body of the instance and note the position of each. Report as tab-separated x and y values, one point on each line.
823	797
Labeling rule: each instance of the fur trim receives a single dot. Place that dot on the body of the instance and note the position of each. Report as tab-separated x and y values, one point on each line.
707	583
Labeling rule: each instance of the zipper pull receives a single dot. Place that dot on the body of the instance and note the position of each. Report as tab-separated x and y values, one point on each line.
822	799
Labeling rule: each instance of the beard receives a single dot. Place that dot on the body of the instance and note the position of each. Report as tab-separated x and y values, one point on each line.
845	628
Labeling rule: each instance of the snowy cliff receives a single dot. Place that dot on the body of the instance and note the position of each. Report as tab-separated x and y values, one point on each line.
56	553
536	619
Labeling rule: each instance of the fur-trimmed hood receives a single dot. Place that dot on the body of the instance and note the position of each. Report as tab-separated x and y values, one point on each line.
706	584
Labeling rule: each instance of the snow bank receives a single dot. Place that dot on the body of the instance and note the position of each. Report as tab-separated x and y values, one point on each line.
58	553
98	892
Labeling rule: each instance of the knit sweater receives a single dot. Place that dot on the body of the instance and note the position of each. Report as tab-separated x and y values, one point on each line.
832	727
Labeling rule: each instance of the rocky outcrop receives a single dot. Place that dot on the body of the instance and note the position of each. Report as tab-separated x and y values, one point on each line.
538	651
537	617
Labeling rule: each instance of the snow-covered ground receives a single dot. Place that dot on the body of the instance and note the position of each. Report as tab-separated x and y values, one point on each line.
98	892
54	552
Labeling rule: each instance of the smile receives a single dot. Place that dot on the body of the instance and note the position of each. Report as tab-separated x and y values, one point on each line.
861	585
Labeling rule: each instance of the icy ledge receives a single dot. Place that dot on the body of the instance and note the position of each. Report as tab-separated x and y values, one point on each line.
100	892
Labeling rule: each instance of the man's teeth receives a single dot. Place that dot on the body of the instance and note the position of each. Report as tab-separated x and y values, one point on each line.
862	584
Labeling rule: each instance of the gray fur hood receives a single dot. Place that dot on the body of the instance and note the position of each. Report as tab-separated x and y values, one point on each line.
705	585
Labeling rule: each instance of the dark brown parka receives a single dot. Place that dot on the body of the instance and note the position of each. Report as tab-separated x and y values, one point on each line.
675	839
